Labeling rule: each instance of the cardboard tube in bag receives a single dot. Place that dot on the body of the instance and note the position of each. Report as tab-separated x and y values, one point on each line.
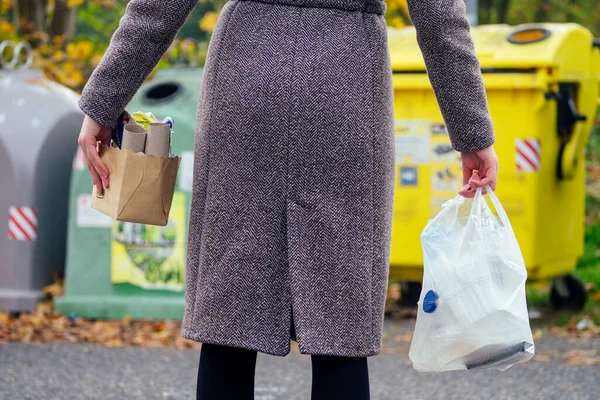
134	138
159	139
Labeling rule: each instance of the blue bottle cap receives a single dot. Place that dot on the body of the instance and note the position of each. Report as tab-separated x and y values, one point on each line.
168	120
72	317
430	301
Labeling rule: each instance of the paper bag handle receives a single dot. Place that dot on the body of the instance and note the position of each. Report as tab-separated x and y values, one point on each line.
166	184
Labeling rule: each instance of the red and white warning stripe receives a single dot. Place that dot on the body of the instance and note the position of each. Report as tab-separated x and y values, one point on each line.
527	154
22	223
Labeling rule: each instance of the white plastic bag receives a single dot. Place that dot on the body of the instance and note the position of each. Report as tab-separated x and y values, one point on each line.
472	310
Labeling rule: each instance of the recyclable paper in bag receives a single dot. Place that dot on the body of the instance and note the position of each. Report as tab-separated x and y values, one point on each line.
141	186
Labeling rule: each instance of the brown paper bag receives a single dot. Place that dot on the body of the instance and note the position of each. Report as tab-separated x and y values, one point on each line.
141	186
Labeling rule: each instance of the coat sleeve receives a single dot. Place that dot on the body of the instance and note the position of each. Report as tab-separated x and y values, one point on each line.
444	38
144	34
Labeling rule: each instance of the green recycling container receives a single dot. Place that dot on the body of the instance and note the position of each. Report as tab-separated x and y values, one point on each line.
116	269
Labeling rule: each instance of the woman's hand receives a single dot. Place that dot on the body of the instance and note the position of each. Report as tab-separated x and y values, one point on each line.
480	168
92	133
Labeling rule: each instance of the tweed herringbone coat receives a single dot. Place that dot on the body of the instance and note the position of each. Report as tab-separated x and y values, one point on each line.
290	226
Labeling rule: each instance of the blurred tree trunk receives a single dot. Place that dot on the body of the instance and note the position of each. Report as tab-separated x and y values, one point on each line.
63	20
493	11
503	11
15	14
31	20
31	16
571	10
541	13
484	11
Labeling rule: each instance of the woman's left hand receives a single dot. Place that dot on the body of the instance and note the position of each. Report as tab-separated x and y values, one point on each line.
480	169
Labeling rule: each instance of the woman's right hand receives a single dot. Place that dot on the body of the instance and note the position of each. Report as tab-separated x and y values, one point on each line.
91	133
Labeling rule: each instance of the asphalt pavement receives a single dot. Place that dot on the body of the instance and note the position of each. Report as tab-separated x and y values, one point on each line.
86	371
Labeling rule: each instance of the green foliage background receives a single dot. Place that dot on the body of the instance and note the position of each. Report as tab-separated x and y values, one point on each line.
71	61
584	12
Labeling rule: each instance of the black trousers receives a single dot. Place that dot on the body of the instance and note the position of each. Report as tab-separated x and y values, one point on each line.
227	373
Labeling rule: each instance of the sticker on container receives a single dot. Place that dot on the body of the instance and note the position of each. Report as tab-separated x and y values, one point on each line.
437	203
445	180
443	152
186	171
22	223
528	154
148	256
412	141
438	129
78	163
406	210
408	176
88	217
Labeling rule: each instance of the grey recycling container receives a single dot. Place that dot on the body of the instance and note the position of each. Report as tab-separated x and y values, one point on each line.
39	126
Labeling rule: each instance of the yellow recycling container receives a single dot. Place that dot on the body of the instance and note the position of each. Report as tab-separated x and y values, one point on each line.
542	82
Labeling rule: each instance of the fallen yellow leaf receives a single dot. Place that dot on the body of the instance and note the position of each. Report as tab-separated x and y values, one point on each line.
4	317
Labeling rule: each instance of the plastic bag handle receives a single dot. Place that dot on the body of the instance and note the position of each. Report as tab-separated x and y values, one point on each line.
496	202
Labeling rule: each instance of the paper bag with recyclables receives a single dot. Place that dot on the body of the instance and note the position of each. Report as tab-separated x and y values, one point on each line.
141	186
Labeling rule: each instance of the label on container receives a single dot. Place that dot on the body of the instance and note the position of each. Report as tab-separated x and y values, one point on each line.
186	171
88	217
445	178
408	176
412	141
443	153
446	169
437	203
78	163
148	256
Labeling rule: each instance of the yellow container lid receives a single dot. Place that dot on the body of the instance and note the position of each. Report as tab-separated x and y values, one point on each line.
564	46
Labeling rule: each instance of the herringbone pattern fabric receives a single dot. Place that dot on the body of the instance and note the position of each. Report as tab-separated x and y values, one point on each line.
291	213
454	71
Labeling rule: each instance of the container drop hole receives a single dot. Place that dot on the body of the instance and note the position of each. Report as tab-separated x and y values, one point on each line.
162	92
